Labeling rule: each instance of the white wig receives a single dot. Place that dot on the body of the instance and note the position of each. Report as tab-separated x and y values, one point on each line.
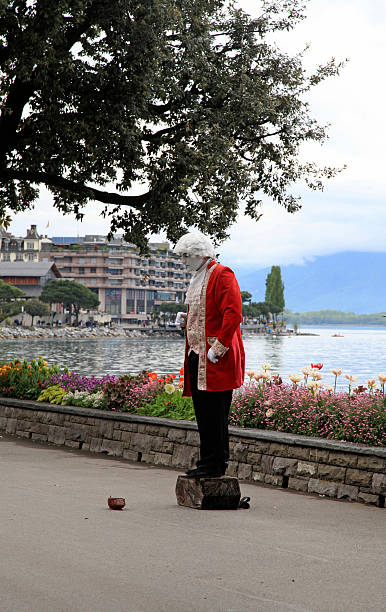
195	244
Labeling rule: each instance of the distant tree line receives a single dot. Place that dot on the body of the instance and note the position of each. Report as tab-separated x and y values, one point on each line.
334	317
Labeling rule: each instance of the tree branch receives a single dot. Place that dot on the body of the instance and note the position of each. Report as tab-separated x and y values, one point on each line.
51	180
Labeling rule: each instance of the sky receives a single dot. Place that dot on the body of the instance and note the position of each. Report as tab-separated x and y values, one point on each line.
350	214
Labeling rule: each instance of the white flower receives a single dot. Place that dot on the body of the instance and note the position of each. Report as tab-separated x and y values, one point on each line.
329	388
295	378
265	366
269	412
371	383
169	388
307	371
337	371
316	375
265	375
382	378
250	374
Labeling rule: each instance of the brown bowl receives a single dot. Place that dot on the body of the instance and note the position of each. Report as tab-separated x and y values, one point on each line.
116	503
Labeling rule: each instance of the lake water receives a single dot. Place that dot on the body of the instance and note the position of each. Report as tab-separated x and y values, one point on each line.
361	351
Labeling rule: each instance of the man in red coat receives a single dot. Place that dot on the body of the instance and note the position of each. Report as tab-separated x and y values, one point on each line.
214	352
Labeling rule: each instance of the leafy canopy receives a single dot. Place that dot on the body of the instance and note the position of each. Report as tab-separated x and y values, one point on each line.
36	308
10	300
170	112
274	290
69	294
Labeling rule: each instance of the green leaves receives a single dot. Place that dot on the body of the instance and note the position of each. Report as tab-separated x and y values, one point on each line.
185	107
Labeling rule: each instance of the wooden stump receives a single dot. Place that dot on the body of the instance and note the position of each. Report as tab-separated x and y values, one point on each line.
208	493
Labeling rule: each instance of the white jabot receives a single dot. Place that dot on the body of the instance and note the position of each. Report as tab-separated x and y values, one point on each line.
194	290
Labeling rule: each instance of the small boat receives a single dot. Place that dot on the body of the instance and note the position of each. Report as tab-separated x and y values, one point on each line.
337	336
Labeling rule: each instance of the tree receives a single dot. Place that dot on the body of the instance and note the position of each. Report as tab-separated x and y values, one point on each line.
36	308
10	300
274	291
246	297
71	295
186	102
169	309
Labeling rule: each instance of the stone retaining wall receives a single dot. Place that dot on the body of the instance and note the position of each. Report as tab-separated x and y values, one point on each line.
311	465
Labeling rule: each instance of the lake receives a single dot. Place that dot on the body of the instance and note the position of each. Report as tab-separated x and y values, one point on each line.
361	351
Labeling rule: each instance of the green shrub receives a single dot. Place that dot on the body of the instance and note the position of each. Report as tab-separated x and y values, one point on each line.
170	406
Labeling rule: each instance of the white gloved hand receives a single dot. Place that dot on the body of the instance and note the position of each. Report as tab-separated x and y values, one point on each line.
181	319
212	356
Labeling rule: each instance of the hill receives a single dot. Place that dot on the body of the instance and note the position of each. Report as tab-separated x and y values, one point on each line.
349	281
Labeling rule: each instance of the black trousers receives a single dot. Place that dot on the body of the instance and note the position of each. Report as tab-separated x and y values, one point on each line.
212	412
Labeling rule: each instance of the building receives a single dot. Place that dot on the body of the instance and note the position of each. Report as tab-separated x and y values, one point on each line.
130	287
30	277
25	249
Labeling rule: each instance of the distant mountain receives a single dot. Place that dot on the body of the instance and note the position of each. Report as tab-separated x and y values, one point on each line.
349	281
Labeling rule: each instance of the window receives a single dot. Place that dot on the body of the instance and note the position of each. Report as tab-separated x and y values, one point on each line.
31	257
130	293
140	301
92	270
19	257
112	271
81	260
81	270
93	259
164	296
30	245
113	301
6	257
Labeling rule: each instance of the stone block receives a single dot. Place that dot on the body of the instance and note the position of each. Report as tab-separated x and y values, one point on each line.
259	446
184	456
298	452
192	438
69	443
77	432
298	484
150	430
117	434
167	447
126	436
258	476
358	477
279	450
147	458
23	434
177	435
208	493
141	442
36	437
331	472
3	423
95	445
342	459
273	479
378	484
11	426
56	435
245	471
129	426
232	468
105	429
282	465
162	459
322	487
113	448
267	463
130	455
348	492
240	452
368	498
319	455
254	458
306	469
370	462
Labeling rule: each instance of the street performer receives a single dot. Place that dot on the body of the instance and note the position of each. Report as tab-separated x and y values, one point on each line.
214	352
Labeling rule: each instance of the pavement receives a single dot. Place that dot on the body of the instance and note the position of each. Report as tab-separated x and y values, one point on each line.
62	549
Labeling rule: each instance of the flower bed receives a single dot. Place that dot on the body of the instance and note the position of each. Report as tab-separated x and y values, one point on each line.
265	402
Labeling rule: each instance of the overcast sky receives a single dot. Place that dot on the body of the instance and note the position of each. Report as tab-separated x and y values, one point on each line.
351	213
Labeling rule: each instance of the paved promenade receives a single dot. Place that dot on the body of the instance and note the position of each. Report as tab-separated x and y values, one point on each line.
63	550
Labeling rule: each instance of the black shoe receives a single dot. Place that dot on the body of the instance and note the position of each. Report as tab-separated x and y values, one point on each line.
204	473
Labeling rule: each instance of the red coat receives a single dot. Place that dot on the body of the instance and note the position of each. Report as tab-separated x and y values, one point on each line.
221	310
